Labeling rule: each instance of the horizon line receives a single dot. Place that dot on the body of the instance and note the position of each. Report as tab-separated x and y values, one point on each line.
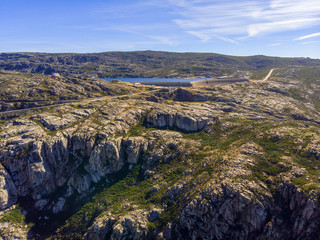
163	51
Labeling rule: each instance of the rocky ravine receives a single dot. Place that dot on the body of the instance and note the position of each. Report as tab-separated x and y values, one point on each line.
233	164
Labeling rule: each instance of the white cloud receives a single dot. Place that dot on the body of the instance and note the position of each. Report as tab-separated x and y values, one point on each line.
308	36
279	26
274	44
207	35
212	18
202	35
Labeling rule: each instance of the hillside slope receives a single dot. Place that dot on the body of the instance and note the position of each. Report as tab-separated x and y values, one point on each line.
22	91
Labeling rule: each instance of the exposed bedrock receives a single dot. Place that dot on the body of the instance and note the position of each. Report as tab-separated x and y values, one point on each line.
40	165
222	212
75	161
186	121
8	191
226	213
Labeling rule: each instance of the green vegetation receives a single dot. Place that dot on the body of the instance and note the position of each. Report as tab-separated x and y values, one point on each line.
111	198
219	140
308	78
296	94
307	75
129	189
137	130
14	216
259	74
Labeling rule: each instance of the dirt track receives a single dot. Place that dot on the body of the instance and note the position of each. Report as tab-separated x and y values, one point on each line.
268	76
23	111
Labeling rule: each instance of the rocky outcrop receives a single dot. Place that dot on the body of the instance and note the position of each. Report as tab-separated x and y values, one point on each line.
313	148
111	155
222	212
13	231
39	164
8	191
189	96
63	161
53	123
131	226
186	121
223	208
227	213
101	229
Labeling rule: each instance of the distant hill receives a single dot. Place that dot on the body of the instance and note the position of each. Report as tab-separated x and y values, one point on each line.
143	64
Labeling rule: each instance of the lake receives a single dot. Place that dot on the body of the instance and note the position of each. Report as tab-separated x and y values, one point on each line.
133	80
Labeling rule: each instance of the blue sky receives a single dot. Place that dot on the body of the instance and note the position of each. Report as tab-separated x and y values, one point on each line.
250	27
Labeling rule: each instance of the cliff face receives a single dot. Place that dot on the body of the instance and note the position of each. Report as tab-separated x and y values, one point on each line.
229	213
238	165
39	163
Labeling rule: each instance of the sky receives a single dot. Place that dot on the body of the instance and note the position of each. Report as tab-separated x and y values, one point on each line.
286	28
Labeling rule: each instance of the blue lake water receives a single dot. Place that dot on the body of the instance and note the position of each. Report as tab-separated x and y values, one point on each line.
133	80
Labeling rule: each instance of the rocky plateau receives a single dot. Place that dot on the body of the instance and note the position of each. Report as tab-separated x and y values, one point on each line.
238	161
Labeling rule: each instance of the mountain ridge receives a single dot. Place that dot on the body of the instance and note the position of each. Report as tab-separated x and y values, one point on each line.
143	63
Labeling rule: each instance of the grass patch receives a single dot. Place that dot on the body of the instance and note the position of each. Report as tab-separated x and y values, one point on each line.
295	93
15	216
137	130
300	181
217	139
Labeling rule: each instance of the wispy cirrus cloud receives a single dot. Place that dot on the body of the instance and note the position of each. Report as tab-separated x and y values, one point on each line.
280	26
308	36
231	19
206	35
139	19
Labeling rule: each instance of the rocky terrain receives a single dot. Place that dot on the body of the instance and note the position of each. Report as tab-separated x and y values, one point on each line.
23	91
145	64
237	161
